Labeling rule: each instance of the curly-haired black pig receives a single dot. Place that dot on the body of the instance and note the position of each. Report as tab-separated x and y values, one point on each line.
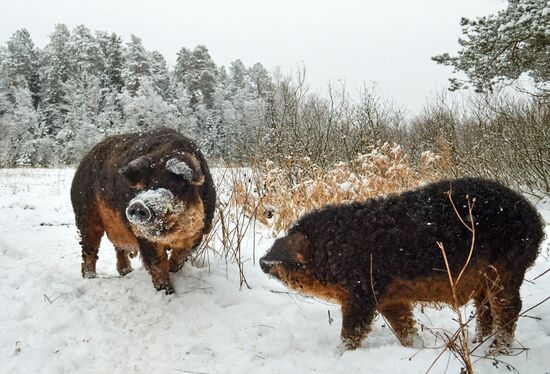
151	193
382	255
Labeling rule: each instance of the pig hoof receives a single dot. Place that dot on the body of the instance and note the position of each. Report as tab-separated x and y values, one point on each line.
348	344
168	289
88	272
497	348
125	270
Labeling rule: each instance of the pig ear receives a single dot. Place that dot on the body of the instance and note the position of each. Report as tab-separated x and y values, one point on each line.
137	171
188	167
291	248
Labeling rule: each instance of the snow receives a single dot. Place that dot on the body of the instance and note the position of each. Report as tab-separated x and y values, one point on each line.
53	321
345	186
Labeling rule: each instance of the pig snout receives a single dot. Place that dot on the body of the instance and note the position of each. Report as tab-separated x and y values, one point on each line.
265	265
138	212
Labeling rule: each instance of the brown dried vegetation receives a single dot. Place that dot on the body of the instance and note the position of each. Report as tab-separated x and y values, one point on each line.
281	194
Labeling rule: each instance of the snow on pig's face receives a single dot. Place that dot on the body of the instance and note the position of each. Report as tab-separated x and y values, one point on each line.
168	202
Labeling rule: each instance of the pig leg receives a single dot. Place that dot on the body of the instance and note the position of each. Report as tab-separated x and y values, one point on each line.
123	264
505	308
400	317
357	316
91	230
484	320
156	262
177	259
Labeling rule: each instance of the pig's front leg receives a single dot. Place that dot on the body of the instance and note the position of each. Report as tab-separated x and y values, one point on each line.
357	315
156	262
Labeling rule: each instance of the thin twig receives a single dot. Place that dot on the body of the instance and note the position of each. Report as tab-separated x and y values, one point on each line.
540	275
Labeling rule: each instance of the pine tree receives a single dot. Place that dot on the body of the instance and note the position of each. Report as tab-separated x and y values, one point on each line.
55	71
261	82
183	67
85	54
21	60
57	102
204	79
224	82
160	75
138	64
113	52
500	48
187	118
80	130
198	73
237	74
19	128
111	112
4	92
147	109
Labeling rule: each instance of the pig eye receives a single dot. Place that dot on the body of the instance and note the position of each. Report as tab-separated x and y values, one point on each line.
297	265
136	172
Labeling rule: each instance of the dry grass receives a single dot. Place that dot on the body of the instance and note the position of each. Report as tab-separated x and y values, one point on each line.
284	192
276	196
232	227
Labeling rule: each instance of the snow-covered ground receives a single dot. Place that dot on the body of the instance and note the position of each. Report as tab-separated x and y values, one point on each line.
53	321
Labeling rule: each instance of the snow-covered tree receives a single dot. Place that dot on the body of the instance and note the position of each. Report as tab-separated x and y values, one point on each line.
85	85
187	118
183	66
138	64
4	92
147	109
21	61
111	112
198	73
110	119
237	75
160	75
500	48
84	52
19	128
113	53
261	82
56	67
80	130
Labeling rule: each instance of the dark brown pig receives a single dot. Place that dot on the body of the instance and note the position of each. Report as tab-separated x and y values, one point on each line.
382	256
151	193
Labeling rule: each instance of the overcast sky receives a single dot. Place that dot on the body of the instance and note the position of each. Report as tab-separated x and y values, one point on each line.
389	42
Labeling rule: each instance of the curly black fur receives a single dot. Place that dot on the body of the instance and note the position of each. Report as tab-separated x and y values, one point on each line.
396	237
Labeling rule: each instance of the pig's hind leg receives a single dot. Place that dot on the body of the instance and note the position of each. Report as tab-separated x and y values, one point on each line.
505	308
91	230
484	319
399	315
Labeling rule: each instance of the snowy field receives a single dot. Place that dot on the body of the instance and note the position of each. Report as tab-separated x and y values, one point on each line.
53	321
